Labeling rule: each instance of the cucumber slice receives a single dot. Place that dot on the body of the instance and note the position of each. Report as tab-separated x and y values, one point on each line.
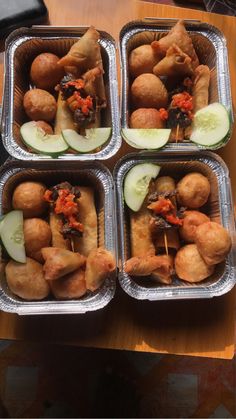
136	184
94	138
150	139
35	138
210	125
12	235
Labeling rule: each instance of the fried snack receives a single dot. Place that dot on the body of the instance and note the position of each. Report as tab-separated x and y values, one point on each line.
191	220
60	262
37	234
164	274
175	63
88	217
176	135
44	71
179	36
69	286
193	190
200	92
142	60
166	238
165	184
100	263
64	117
28	197
56	225
146	118
143	266
213	242
148	91
84	55
140	233
44	126
190	266
39	104
27	279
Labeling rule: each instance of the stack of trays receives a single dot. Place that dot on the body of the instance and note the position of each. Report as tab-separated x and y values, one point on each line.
176	159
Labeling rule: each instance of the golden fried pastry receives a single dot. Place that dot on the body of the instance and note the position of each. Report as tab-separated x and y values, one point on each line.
164	273
175	63
28	197
193	190
44	126
45	73
191	220
142	60
69	286
143	266
100	263
146	118
177	35
37	234
60	262
148	91
56	225
190	266
27	279
39	104
213	242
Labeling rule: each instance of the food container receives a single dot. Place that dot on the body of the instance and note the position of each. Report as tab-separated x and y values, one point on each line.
210	46
91	174
22	46
219	208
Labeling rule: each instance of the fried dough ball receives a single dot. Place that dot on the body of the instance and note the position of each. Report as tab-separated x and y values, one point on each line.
39	104
191	220
148	91
142	60
146	118
27	279
213	242
45	127
190	266
28	197
37	234
44	72
193	190
69	286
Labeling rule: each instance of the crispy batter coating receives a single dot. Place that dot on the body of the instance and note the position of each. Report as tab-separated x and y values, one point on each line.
146	118
28	197
100	263
192	219
193	190
143	266
164	274
175	63
148	91
37	234
27	279
44	71
190	266
70	286
213	242
39	105
60	262
142	60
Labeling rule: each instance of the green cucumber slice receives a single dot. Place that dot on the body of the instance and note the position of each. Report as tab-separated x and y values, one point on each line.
12	235
210	125
94	138
150	139
35	138
136	184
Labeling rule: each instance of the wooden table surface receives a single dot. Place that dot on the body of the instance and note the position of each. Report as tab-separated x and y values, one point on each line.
202	327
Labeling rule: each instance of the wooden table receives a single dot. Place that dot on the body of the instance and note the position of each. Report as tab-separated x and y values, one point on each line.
200	328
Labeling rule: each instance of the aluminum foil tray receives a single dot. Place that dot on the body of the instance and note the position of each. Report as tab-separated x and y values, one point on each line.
220	208
210	46
22	46
91	174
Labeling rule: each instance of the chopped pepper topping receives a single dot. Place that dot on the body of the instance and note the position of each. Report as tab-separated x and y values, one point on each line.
163	114
165	208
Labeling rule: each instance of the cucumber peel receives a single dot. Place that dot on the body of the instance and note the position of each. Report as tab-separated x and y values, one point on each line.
12	235
136	184
149	139
94	138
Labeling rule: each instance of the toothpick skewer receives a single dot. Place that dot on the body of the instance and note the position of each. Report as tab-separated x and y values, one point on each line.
166	243
177	133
